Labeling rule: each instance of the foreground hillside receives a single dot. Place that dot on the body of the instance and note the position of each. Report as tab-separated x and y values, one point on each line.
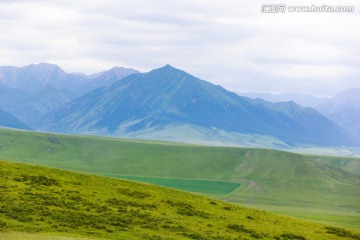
310	187
42	200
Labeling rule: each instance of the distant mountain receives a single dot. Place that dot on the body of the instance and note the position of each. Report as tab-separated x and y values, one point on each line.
168	98
302	99
35	77
106	78
344	109
12	97
9	121
35	106
31	91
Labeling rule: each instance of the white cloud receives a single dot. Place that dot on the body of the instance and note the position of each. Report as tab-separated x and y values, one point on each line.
230	43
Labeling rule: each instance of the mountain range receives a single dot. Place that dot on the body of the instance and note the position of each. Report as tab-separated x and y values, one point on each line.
305	100
344	109
31	91
168	101
9	121
164	104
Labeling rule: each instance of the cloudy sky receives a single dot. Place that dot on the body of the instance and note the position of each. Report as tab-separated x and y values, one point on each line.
228	42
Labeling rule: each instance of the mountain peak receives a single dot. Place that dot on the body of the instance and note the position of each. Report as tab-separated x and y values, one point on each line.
118	68
122	70
168	70
44	66
168	67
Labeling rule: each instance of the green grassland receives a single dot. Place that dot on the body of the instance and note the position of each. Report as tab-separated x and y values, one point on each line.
349	164
311	187
44	203
197	186
37	236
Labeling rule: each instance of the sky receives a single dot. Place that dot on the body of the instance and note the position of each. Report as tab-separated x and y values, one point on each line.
230	42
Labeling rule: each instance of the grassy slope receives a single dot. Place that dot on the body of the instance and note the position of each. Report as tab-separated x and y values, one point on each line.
39	236
282	182
349	164
56	202
198	186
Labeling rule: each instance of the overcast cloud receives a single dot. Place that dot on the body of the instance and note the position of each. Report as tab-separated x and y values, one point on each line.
230	43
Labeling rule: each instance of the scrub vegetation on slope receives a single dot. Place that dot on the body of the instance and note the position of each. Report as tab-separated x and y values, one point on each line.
43	201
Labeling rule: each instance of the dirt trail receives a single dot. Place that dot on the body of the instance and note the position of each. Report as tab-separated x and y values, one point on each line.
253	186
256	188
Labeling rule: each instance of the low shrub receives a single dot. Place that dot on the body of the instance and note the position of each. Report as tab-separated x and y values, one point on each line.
2	226
340	232
291	236
133	193
37	180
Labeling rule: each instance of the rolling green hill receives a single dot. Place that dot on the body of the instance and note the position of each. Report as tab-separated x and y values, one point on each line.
292	184
348	164
44	203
